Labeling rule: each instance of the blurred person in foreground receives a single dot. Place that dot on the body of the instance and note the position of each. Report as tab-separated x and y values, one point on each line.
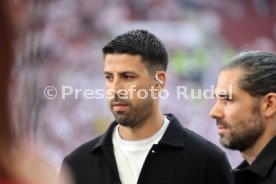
246	114
143	145
19	164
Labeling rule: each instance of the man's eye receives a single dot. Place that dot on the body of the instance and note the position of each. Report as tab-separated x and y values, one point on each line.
108	77
226	98
128	77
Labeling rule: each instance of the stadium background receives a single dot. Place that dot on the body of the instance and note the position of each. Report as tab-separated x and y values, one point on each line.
59	44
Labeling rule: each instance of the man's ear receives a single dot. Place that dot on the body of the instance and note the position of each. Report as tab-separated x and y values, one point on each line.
160	77
269	105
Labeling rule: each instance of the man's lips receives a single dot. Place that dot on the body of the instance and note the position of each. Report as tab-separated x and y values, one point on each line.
221	128
118	106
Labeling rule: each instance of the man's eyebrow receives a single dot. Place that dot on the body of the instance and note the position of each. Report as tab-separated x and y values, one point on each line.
107	73
220	94
122	72
127	72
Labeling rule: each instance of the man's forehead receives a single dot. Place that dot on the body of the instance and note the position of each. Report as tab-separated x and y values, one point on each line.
228	82
229	77
124	63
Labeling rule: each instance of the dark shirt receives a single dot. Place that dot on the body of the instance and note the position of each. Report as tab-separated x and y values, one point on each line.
262	170
180	157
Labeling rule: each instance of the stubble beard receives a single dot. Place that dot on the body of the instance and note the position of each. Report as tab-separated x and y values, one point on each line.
136	115
245	134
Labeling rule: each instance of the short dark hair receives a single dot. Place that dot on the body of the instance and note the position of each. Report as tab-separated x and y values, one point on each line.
140	42
259	69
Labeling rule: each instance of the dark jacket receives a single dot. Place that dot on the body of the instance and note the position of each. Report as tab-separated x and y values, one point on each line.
262	170
180	157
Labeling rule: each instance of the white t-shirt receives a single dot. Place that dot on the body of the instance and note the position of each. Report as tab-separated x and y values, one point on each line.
130	155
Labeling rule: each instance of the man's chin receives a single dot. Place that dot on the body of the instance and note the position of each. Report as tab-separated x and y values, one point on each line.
124	121
229	144
120	118
225	142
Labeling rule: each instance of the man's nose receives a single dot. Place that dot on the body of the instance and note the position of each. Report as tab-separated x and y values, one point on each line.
116	84
216	111
117	87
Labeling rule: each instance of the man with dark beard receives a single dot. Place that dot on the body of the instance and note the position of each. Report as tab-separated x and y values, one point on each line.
144	146
246	115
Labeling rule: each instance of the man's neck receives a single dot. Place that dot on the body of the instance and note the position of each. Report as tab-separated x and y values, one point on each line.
146	129
251	154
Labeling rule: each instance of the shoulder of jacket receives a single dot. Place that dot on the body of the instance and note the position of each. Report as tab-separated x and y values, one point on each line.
199	143
84	148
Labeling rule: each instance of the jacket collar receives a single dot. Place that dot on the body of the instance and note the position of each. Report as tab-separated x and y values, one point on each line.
264	161
173	136
106	138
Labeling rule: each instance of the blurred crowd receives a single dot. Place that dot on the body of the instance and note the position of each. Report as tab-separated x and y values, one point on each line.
60	41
